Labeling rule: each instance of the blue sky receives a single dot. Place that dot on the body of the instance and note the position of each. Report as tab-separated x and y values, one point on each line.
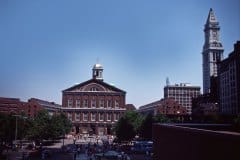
48	46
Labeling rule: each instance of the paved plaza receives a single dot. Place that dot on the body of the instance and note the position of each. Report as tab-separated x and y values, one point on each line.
70	151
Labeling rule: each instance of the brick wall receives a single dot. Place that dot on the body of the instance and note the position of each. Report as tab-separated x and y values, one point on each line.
184	143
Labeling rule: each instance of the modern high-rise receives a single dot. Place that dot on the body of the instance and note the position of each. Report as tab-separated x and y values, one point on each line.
183	94
212	52
229	80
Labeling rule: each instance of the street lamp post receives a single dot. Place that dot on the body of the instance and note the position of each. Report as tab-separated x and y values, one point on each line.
16	126
63	137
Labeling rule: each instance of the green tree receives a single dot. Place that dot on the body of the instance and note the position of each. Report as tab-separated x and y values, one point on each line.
39	129
45	126
128	126
124	130
159	118
135	119
145	131
59	125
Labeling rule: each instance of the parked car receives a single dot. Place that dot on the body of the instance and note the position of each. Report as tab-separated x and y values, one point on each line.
109	155
142	146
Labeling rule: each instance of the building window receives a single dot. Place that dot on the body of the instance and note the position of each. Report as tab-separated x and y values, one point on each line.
77	116
93	103
85	116
101	116
85	103
108	117
70	102
109	103
78	105
94	89
70	116
93	117
101	103
115	117
116	104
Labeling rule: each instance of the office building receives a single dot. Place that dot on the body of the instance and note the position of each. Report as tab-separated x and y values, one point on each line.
183	94
229	80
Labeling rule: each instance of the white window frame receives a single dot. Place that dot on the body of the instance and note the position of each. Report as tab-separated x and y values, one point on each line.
69	103
109	117
78	103
109	103
93	116
101	116
101	103
85	117
85	103
116	104
93	103
70	116
77	116
118	116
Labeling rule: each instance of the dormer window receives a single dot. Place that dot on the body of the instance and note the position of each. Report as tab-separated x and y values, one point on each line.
94	89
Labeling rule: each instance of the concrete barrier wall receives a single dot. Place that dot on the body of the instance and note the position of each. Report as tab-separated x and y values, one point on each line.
173	142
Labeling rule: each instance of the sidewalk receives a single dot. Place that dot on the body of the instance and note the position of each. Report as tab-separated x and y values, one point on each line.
83	157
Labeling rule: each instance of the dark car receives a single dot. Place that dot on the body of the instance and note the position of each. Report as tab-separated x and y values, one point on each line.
142	147
108	155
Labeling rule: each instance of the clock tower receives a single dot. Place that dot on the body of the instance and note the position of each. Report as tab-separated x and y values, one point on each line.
212	52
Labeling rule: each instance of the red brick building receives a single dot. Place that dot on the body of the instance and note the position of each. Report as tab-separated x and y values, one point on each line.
11	105
166	106
93	106
29	109
130	107
34	105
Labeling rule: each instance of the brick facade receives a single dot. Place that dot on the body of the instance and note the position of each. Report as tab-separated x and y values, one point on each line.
166	106
93	106
29	109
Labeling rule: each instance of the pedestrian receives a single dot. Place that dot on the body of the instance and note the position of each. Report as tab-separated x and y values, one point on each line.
74	140
75	155
23	155
78	150
43	155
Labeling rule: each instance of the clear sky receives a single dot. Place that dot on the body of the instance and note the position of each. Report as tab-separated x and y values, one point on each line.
47	46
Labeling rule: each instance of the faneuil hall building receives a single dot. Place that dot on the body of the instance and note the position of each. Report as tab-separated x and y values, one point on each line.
94	105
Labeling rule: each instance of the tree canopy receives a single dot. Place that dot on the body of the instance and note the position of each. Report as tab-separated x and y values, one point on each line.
45	126
133	123
124	129
145	130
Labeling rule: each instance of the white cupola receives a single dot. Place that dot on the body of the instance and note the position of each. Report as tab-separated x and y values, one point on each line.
97	72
